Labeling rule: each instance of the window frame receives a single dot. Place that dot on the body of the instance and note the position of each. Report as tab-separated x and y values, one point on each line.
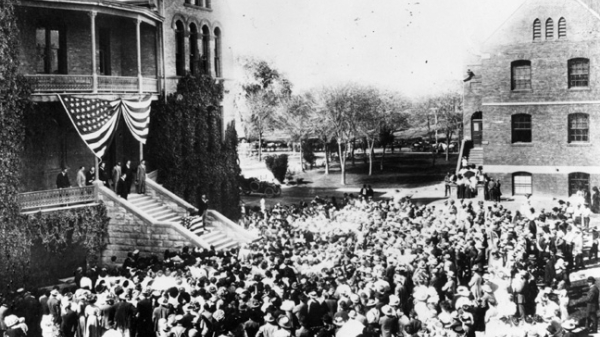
519	128
180	48
217	58
571	64
537	30
562	28
549	32
579	131
577	176
515	80
62	67
516	186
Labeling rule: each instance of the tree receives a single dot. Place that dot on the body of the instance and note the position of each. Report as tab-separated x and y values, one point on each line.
441	113
339	109
260	94
293	117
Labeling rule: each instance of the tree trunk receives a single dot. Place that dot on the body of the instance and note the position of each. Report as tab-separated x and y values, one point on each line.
382	156
371	158
342	163
448	137
301	158
260	146
352	153
326	158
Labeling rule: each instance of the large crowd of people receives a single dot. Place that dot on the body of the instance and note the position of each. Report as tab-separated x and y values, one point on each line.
349	267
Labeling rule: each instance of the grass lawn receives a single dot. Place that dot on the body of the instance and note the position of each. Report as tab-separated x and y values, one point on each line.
406	170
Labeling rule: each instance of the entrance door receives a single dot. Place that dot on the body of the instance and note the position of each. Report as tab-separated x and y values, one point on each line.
104	51
476	128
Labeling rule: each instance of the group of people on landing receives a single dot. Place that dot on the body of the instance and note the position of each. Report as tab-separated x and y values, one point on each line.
120	181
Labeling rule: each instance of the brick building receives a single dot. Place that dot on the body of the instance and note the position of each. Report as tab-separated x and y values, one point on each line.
532	110
108	49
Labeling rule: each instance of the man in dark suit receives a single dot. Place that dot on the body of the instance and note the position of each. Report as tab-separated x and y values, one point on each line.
128	170
69	322
123	187
592	305
62	179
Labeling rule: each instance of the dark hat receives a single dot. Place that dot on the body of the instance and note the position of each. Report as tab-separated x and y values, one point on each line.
591	279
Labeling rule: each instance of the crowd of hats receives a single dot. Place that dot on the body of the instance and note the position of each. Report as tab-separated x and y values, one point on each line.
357	267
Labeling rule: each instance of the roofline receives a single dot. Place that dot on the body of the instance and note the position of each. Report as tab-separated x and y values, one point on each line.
594	13
504	22
83	5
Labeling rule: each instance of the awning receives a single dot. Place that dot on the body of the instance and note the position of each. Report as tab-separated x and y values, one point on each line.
96	120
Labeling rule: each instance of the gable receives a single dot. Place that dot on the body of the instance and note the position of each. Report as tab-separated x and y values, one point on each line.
582	22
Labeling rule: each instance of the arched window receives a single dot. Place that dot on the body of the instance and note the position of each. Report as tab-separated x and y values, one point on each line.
579	72
537	30
521	128
218	52
207	3
579	181
522	183
579	128
205	61
549	29
562	28
194	53
179	49
521	75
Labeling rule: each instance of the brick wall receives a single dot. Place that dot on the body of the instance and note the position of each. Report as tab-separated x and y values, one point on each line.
549	132
549	154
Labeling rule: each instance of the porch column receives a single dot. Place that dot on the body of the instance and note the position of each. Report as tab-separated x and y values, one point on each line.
92	15
138	40
97	166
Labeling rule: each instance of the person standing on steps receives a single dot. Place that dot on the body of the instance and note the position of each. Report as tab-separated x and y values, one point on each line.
140	180
116	176
128	170
81	177
123	187
203	208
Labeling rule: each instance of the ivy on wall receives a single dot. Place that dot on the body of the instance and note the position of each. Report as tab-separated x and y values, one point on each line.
186	146
86	226
14	102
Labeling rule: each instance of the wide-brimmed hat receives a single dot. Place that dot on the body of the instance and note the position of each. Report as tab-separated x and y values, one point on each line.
394	300
54	292
371	302
387	310
219	315
269	317
569	325
11	320
463	291
487	289
338	320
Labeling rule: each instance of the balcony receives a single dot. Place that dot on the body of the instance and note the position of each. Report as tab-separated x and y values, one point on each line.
43	84
32	202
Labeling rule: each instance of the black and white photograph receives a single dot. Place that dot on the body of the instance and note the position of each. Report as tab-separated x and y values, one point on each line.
282	168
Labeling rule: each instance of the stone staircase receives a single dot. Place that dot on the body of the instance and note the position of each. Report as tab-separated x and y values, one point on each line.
476	156
156	210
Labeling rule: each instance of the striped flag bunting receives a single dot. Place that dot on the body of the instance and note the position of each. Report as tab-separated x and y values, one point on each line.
96	120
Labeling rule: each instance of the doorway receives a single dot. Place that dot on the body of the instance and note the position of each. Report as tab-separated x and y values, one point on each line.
477	129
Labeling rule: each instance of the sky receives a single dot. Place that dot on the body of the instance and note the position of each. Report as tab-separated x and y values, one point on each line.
416	47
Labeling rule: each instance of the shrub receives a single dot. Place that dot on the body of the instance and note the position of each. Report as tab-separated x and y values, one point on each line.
308	154
278	165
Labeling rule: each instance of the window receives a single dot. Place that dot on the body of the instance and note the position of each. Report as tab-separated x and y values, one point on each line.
207	3
194	53
521	75
562	28
522	183
179	49
579	72
549	29
578	181
578	127
205	61
51	49
104	52
521	128
537	30
218	52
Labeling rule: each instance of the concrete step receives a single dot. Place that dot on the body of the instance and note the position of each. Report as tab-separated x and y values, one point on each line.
172	217
157	212
213	236
148	205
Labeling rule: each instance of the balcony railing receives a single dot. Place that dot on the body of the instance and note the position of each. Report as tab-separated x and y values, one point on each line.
50	83
32	201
